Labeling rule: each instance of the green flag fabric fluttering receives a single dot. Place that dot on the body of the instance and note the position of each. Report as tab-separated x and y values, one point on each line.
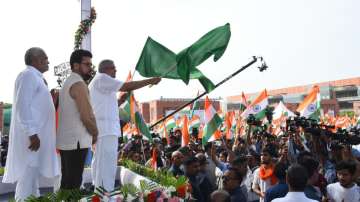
158	61
212	43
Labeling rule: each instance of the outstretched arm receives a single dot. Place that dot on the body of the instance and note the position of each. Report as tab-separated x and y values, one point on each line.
133	85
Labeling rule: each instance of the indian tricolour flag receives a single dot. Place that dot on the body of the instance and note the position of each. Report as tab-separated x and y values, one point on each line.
127	132
195	106
137	118
281	112
128	78
243	102
179	122
185	137
230	123
221	114
310	107
128	108
212	123
186	110
170	123
164	133
194	122
257	107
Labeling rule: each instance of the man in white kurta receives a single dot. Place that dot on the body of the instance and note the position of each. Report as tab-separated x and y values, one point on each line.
31	151
103	89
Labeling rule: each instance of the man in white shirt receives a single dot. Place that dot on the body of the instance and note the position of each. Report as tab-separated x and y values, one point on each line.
211	167
345	190
264	176
31	152
296	178
103	89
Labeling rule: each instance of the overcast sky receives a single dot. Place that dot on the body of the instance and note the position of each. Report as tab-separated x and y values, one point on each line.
302	41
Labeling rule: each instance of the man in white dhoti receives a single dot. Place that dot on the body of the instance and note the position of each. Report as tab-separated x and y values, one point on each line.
103	89
31	152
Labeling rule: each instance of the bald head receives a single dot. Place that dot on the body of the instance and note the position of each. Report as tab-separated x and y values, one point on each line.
177	158
105	64
220	196
176	153
32	54
107	67
37	58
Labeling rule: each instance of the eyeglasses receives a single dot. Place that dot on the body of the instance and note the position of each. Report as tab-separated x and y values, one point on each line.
89	64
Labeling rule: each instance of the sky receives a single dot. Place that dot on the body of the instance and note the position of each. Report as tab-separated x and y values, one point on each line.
302	41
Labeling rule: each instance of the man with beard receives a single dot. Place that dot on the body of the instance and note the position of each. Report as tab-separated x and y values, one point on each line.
264	176
77	129
281	188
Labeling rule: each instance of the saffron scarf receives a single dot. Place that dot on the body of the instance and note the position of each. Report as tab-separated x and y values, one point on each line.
266	173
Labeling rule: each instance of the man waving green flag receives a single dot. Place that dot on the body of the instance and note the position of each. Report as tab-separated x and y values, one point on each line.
157	60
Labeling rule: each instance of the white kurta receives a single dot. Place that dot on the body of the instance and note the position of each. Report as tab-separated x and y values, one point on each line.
103	89
33	112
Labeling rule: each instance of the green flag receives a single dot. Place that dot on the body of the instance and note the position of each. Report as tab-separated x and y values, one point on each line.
158	61
212	43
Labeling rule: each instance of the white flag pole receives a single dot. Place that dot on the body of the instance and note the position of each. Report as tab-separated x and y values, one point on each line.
85	14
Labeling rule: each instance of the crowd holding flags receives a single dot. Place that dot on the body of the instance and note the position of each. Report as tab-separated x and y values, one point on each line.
214	125
233	123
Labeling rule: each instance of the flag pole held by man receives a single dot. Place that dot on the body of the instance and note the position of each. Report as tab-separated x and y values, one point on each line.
103	89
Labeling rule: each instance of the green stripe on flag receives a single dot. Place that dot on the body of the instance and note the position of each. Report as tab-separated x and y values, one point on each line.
260	115
210	128
140	124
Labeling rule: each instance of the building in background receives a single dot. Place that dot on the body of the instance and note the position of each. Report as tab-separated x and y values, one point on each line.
157	109
336	96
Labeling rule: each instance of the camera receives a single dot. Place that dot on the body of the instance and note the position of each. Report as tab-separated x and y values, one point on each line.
342	136
262	131
347	137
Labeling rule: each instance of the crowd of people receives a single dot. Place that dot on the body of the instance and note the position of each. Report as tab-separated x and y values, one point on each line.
297	165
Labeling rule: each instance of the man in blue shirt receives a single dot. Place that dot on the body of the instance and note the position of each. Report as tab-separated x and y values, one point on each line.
312	168
177	159
281	189
231	183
